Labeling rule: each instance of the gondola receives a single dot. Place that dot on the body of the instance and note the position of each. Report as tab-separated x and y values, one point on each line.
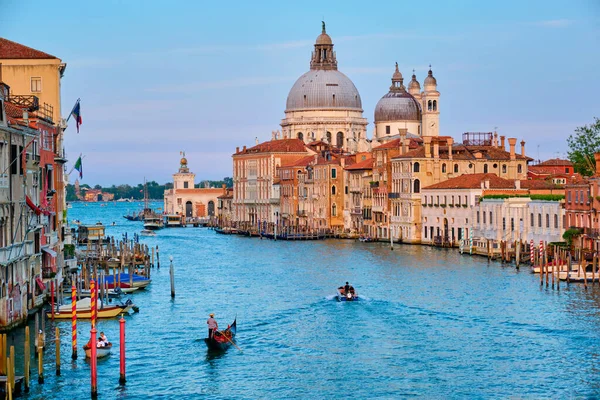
222	339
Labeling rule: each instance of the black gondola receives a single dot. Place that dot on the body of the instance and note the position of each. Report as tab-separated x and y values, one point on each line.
222	339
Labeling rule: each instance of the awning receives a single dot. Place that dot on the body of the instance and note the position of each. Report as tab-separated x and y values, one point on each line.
35	208
49	251
40	283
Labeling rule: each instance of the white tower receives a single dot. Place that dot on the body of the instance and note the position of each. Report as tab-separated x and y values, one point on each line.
430	106
184	179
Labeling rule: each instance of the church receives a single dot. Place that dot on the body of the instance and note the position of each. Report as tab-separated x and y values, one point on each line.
324	105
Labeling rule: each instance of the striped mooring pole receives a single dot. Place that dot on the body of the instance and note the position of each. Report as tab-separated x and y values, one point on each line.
531	252
74	322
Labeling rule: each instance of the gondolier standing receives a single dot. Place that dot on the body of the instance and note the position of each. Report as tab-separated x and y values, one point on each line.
212	325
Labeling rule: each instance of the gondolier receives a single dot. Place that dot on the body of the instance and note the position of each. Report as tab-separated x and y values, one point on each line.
212	325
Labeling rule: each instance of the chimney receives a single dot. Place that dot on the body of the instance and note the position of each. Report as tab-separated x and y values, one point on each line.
427	145
495	140
402	132
237	149
256	140
597	158
273	135
450	141
517	184
512	143
436	149
523	148
244	149
502	142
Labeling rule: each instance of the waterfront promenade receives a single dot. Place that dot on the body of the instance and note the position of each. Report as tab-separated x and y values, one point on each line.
433	324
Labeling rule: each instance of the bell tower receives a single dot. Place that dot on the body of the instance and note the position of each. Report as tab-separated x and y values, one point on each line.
323	57
430	106
184	179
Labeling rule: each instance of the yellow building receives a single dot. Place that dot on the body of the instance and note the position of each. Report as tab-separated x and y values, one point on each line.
32	72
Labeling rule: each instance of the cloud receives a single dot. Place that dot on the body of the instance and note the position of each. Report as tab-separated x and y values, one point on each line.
223	84
553	23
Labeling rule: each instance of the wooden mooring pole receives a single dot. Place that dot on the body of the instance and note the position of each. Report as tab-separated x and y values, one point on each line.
122	379
27	357
172	276
57	340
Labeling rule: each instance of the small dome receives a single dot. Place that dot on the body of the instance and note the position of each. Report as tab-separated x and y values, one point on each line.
414	83
397	106
430	80
324	38
397	74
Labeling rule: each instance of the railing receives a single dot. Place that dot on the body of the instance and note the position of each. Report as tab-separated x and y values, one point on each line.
15	251
374	184
302	213
356	210
46	111
377	208
394	195
3	180
31	102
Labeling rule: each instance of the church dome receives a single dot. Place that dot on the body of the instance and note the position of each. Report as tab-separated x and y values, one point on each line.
414	84
324	38
323	89
397	106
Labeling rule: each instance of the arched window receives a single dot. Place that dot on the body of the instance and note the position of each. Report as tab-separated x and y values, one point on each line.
300	136
417	186
429	105
491	221
547	220
328	137
485	168
456	168
333	190
556	221
519	169
333	210
416	167
443	168
435	105
339	140
532	221
539	220
504	168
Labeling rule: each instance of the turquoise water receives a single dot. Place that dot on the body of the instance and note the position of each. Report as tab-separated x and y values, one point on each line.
431	323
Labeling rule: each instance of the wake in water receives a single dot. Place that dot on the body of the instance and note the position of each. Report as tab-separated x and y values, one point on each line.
360	297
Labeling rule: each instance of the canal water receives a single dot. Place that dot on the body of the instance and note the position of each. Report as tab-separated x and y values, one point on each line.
431	323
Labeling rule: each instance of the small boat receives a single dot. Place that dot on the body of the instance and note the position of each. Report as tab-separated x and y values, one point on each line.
112	293
101	352
226	231
153	222
139	281
222	339
365	239
342	295
147	232
84	310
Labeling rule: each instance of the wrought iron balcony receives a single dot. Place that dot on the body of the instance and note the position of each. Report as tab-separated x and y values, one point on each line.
32	103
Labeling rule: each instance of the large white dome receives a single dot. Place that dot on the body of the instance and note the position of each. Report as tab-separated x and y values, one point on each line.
323	89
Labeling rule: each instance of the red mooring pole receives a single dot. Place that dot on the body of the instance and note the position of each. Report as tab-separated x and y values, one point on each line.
93	360
74	321
122	351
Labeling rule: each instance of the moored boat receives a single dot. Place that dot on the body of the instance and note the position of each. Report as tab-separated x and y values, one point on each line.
101	352
138	281
147	232
153	222
222	340
84	310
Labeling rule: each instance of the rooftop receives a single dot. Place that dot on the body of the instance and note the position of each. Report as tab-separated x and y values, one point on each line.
473	181
14	50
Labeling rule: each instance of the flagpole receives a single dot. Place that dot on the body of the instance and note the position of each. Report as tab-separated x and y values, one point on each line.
73	167
71	113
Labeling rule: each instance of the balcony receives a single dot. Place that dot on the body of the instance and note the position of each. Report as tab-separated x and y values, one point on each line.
274	200
377	208
52	238
394	195
30	102
302	213
16	251
355	189
374	184
356	210
71	265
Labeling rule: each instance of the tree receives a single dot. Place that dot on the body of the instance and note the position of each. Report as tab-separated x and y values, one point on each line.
582	146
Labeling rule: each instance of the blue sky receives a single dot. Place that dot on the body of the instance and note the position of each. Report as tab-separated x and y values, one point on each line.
159	77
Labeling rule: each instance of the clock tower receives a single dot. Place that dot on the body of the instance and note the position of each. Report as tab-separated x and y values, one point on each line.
430	106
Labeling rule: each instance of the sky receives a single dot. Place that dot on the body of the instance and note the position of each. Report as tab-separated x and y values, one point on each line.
156	78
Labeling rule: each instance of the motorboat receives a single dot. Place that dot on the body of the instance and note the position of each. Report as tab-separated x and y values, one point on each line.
147	232
349	295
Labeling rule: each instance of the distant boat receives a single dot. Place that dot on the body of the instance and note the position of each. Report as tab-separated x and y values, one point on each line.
153	222
147	232
222	339
69	205
350	295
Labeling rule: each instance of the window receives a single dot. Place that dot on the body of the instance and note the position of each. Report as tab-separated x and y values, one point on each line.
1	115
387	129
532	220
556	221
569	196
333	190
519	169
503	224
334	210
443	168
512	224
300	136
435	105
36	84
416	167
491	222
417	186
547	220
429	105
484	214
477	216
566	170
576	197
485	168
346	190
328	137
456	168
185	185
333	173
339	140
504	169
539	220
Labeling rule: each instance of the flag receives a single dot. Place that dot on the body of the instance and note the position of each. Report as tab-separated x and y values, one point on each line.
76	113
79	167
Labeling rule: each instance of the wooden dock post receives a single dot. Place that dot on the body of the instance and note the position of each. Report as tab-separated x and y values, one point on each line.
153	257
57	351
11	367
3	353
37	331
157	258
517	253
9	387
172	276
27	359
122	379
594	264
40	353
568	268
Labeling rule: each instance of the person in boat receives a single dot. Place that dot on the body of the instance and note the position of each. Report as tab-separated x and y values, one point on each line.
347	288
213	326
100	343
104	339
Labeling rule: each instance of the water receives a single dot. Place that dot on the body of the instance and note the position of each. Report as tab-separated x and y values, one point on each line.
432	324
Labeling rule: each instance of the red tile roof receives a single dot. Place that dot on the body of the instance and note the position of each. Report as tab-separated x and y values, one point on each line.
365	164
553	162
277	146
13	111
540	184
473	181
303	162
14	50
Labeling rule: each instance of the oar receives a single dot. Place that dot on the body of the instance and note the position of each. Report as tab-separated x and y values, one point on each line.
231	341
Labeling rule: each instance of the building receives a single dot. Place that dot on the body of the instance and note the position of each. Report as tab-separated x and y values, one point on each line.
359	175
324	104
94	195
413	111
186	199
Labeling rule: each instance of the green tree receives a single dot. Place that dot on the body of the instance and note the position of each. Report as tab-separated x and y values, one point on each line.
582	146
